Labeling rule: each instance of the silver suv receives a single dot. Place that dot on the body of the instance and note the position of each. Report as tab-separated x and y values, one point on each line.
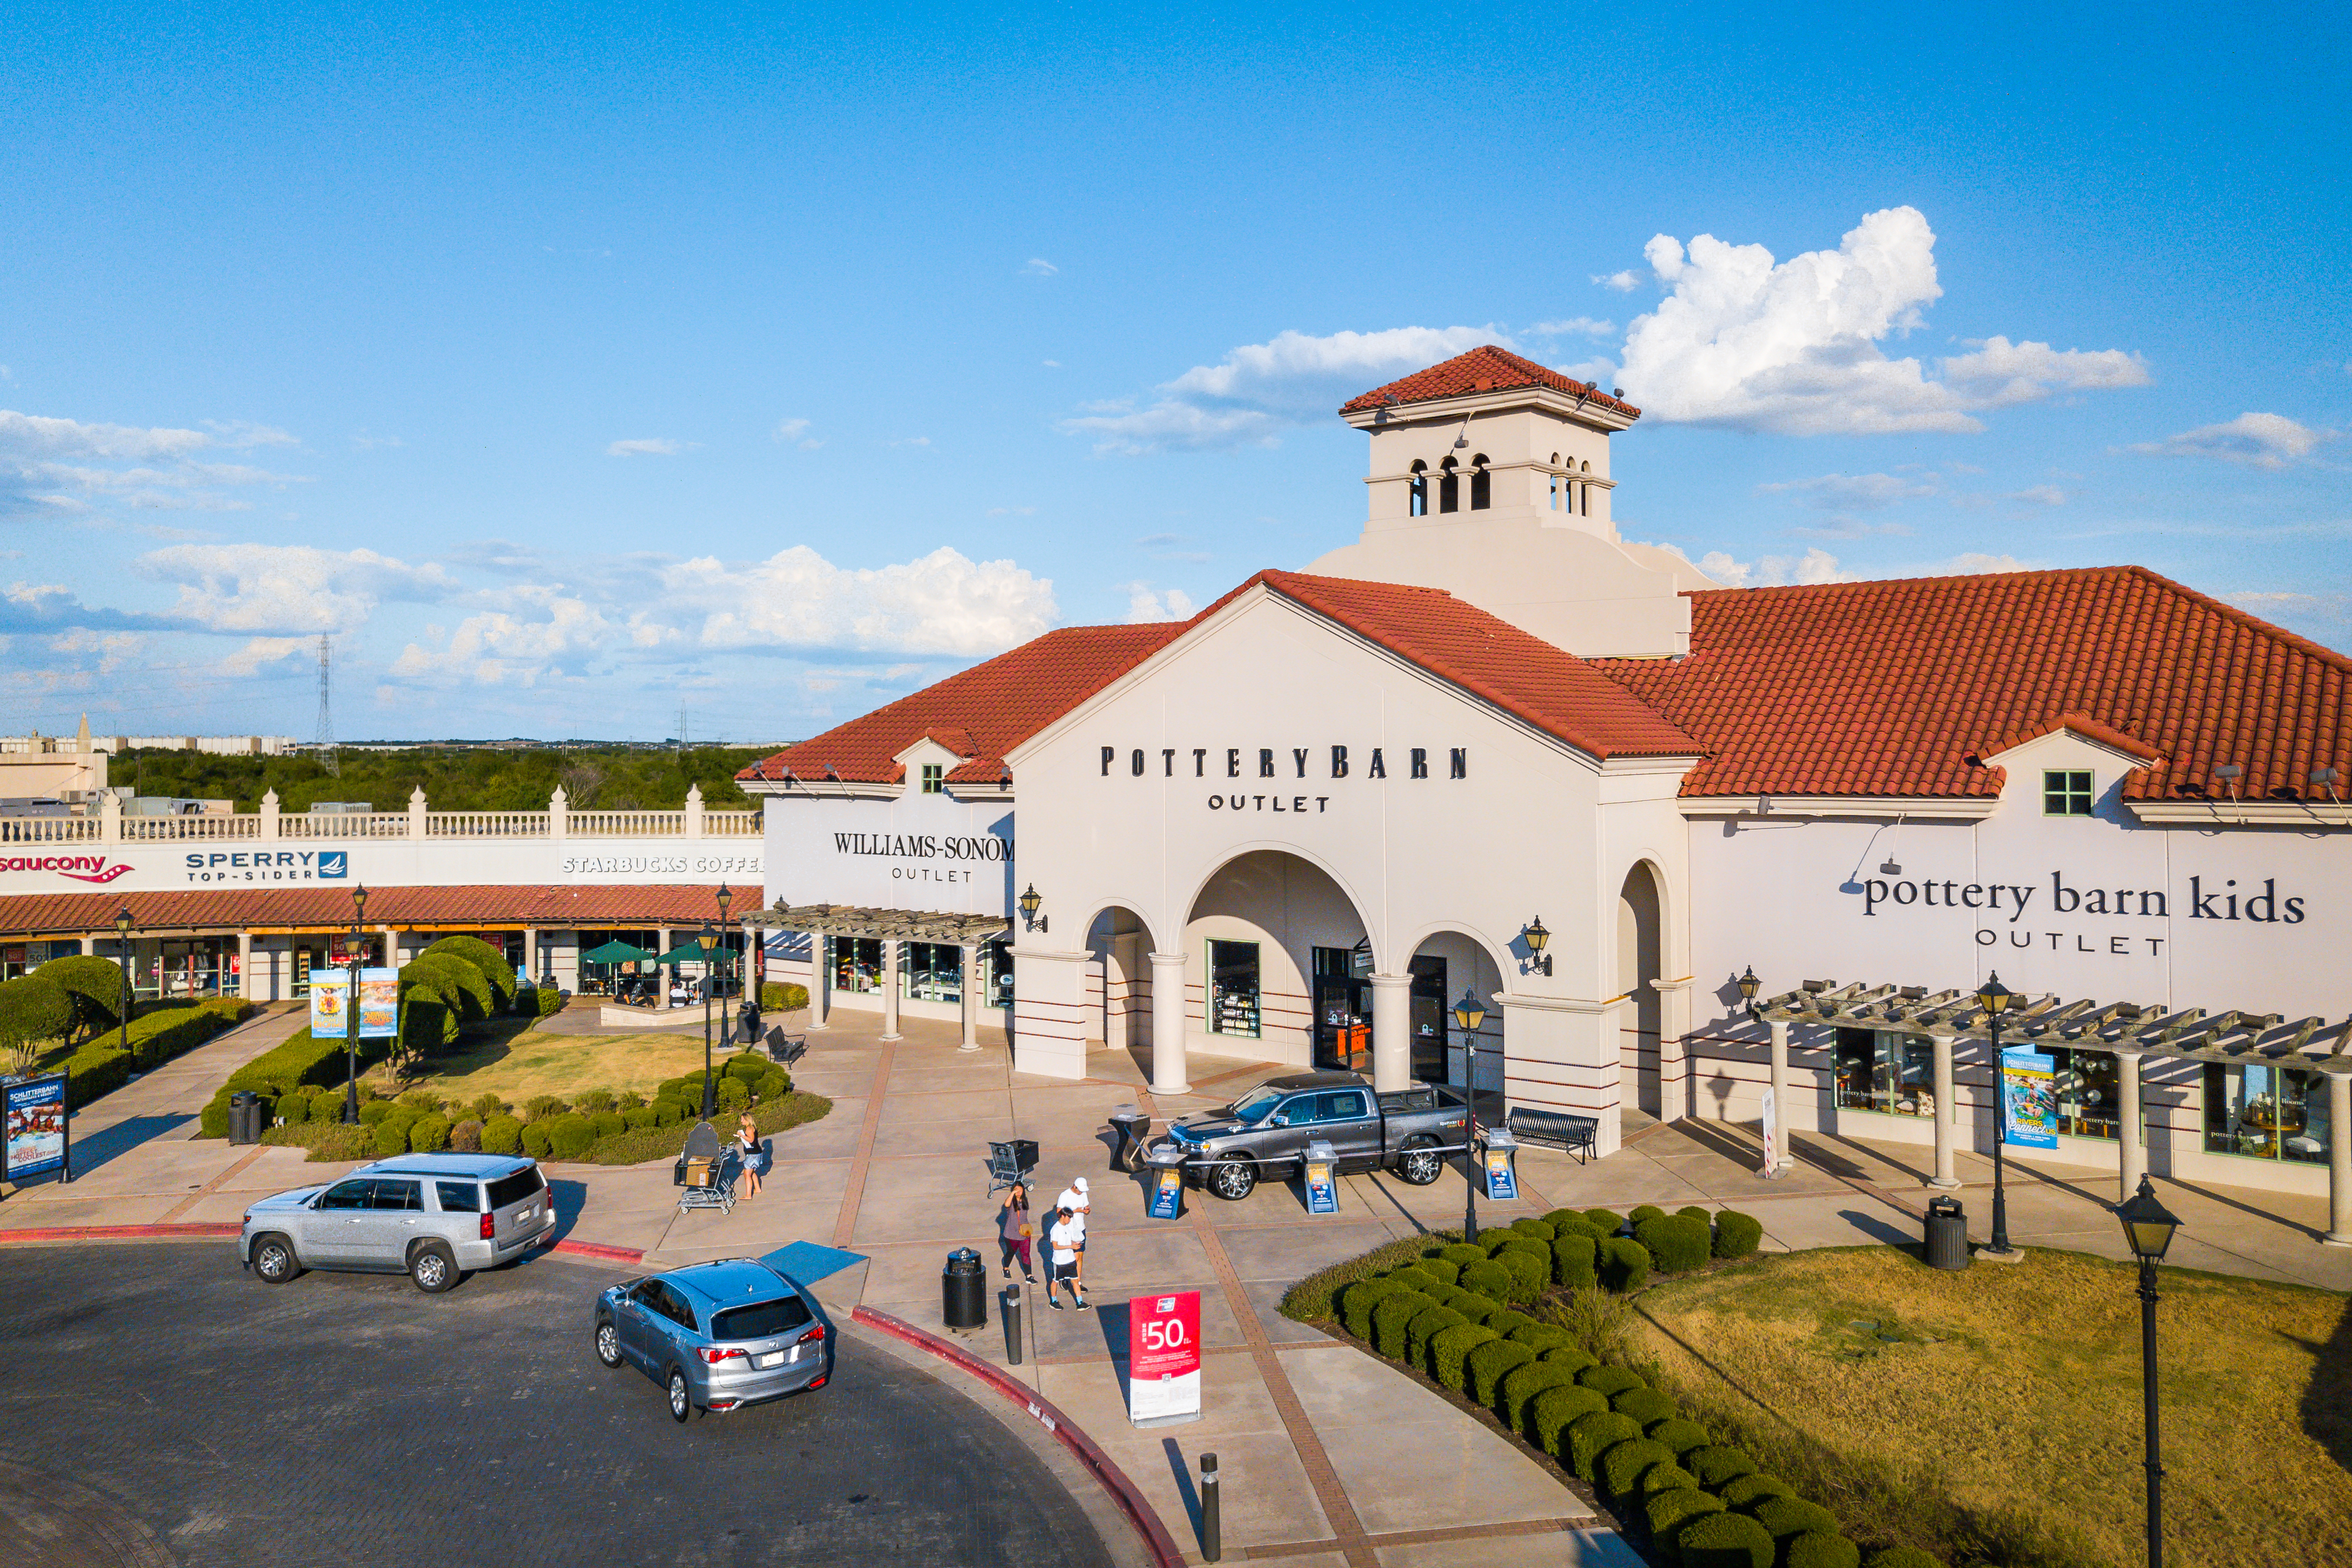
719	1335
435	1218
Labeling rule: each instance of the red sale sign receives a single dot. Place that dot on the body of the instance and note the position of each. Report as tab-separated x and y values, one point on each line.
1163	1358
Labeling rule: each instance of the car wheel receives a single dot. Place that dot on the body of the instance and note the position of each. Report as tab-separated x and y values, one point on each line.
1419	1165
608	1344
1233	1181
432	1268
274	1259
681	1402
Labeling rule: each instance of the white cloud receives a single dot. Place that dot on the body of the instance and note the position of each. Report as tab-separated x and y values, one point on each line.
68	468
1144	603
280	588
113	650
1793	347
1038	266
497	647
1973	563
1259	389
2261	440
263	651
942	603
39	435
1816	565
1585	326
240	433
649	446
909	441
1844	527
1622	282
1861	492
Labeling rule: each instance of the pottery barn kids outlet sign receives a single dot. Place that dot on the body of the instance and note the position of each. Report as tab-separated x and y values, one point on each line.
2016	913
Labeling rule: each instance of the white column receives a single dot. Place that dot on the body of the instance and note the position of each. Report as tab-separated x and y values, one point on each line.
391	947
966	957
694	810
2131	1136
1947	1117
110	818
416	810
245	986
1392	1033
891	947
820	986
1780	1079
2339	1160
1168	1025
268	826
1674	1055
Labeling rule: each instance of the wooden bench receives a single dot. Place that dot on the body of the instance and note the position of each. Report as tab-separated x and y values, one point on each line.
1575	1135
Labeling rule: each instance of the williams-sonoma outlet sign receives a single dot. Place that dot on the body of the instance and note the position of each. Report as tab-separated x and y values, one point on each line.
2015	913
933	857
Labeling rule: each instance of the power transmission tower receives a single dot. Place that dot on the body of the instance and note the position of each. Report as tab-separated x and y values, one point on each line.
681	729
326	716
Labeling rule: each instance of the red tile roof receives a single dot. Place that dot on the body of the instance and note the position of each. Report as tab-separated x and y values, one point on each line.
1891	688
990	708
1487	369
325	908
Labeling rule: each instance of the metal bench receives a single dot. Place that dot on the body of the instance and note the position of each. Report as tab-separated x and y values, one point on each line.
1574	1135
787	1048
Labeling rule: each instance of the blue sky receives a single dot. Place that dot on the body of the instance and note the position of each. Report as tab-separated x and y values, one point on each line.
575	368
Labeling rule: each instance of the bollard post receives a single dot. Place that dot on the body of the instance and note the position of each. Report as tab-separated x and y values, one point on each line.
1212	1545
1012	1335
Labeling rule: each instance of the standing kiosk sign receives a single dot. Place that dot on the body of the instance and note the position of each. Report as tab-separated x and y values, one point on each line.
1163	1359
37	1128
1322	1188
2029	1098
1496	1163
1164	1198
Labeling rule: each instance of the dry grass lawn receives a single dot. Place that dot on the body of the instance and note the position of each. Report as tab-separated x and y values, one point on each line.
566	1065
1996	1413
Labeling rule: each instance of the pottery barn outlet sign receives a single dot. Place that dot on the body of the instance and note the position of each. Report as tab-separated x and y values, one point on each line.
1235	762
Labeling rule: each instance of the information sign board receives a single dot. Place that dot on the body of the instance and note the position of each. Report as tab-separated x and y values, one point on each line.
2029	1098
1163	1358
1502	1175
1167	1193
37	1128
1322	1188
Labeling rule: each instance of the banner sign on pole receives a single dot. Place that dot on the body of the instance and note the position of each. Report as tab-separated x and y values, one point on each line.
379	1004
1167	1193
331	994
2029	1098
1163	1359
1771	1134
37	1128
1322	1188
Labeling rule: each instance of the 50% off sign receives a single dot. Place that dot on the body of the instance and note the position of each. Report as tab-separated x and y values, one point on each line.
1163	1358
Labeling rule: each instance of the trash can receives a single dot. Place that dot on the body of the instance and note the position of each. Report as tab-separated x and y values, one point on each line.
1947	1234
1133	1127
747	1024
963	1291
244	1117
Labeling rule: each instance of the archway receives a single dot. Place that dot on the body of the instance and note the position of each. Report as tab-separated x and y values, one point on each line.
1284	965
1446	962
1640	940
1119	982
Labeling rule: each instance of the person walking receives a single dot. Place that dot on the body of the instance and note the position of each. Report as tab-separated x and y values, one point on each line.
1064	1239
747	1137
1014	1231
1076	1202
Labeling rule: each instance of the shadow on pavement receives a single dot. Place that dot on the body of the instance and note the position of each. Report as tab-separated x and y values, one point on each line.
1182	1470
1878	1229
91	1153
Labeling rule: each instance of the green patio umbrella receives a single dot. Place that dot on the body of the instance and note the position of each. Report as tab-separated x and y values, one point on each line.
685	953
617	953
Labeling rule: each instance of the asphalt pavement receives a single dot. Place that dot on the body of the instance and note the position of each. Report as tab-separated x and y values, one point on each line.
164	1406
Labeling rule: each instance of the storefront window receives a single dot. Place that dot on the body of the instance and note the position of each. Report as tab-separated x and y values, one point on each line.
998	958
2088	1092
19	957
931	972
1233	988
1887	1070
856	962
2267	1112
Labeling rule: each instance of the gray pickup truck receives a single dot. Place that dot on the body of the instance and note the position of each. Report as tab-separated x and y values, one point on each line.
1266	1130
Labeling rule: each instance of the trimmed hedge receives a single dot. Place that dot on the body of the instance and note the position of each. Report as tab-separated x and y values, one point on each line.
1667	1476
1610	1381
1574	1259
486	960
1565	1221
1645	1211
1390	1318
1668	1510
1552	1413
1646	1405
569	1135
637	1117
1742	1490
1605	1222
1822	1549
777	996
1444	1270
392	1136
1543	1230
100	1066
1736	1235
446	974
1486	1364
534	1140
1624	1265
1521	1385
1510	1321
1621	1467
1477	1309
1358	1297
1574	1357
1449	1349
302	1059
608	1122
1715	1466
429	1133
1488	1278
1426	1325
1461	1253
1676	1242
1541	1337
34	1009
1694	1211
502	1136
1494	1241
668	1112
1725	1540
1787	1516
1590	1437
1679	1436
1420	1277
94	985
1530	1271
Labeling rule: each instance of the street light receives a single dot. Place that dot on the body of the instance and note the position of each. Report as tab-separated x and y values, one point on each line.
1537	939
351	1013
1469	1012
2148	1231
1030	903
122	936
709	1102
1995	998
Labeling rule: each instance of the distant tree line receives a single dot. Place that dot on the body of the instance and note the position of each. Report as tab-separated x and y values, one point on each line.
455	777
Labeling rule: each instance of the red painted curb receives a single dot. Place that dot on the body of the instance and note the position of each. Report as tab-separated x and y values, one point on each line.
599	1251
1157	1543
188	1231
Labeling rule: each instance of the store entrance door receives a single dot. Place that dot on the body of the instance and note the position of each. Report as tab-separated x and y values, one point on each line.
1343	1008
1432	1063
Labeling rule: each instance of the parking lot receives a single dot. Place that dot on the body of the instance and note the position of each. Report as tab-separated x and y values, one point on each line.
159	1399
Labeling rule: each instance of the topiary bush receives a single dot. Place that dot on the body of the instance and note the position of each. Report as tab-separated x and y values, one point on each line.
1510	1321
373	1113
1493	1241
330	1108
1676	1243
1488	1278
391	1136
33	1009
1442	1270
1391	1318
1590	1437
638	1117
569	1135
1519	1387
666	1112
486	961
1724	1540
1558	1217
608	1122
1574	1357
441	975
1426	1325
1646	1405
1451	1347
1714	1465
551	1000
1902	1557
502	1135
1574	1259
1667	1511
1621	1467
1460	1254
534	1140
1530	1271
1679	1436
1821	1549
429	1134
1624	1265
1736	1235
1358	1297
1418	1277
1605	1222
93	988
771	1087
466	1137
1787	1516
1667	1476
1542	1230
1645	1211
1477	1309
1486	1364
733	1095
1610	1381
1742	1490
1540	1337
1693	1211
1553	1411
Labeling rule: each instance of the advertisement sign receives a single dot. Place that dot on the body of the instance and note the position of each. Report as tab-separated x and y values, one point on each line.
2029	1100
379	1004
1771	1134
1167	1193
37	1124
1322	1190
330	995
1163	1358
1502	1175
330	1000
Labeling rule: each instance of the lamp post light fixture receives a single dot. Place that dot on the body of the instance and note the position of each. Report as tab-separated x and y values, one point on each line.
710	1101
1537	939
123	938
1995	998
1470	1012
1748	986
351	1012
1030	903
2148	1230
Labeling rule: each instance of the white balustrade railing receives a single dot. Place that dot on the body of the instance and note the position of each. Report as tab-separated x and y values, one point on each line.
731	824
48	829
625	824
107	826
485	824
150	829
344	825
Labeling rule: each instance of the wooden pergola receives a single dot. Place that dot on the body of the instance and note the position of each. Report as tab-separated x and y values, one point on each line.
892	928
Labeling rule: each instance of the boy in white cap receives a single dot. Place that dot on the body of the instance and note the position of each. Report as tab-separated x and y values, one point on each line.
1075	1200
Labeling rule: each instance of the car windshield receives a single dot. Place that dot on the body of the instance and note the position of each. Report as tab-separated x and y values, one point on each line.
1255	1105
760	1321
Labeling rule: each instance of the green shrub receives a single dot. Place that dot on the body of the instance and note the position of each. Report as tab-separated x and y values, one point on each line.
1714	1465
1590	1437
465	1137
1902	1557
1676	1243
430	1011
1357	1298
1540	1337
1821	1549
1624	1265
93	986
1667	1476
1509	1321
1645	1211
1460	1253
747	1067
486	961
594	1100
1488	1278
732	1095
1451	1347
1646	1405
294	1105
772	1086
485	1106
1574	1357
429	1134
1543	1230
569	1135
327	1106
1476	1309
540	1107
1693	1211
373	1112
1679	1436
1667	1511
608	1122
1610	1381
1391	1315
1520	1384
1572	1258
1736	1235
775	995
1486	1364
551	1000
422	1101
1420	1277
501	1134
1787	1516
534	1140
391	1136
666	1112
1724	1540
1605	1222
1567	1222
1443	1271
1621	1467
1553	1412
1751	1487
442	976
1426	1325
1530	1271
302	1059
637	1117
1493	1241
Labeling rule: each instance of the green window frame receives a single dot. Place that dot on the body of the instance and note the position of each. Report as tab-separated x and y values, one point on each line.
2067	792
935	779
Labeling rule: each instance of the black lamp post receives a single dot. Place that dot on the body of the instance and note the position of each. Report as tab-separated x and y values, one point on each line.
122	937
1537	939
1030	903
351	1012
1995	999
709	1099
1469	1012
2147	1230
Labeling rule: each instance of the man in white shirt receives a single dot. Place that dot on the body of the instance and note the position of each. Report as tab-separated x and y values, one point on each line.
1066	1235
1075	1198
